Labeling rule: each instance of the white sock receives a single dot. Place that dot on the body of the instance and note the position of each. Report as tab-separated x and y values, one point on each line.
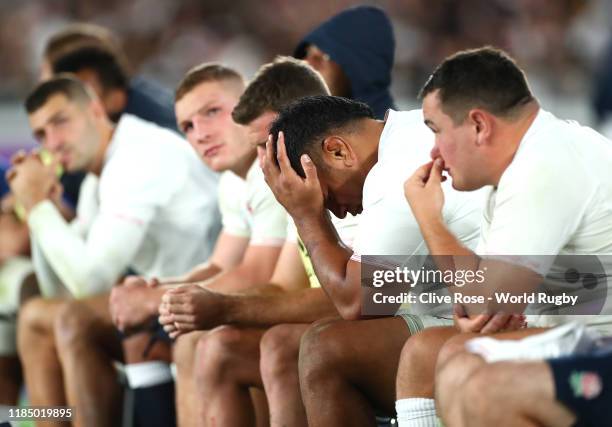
147	374
416	412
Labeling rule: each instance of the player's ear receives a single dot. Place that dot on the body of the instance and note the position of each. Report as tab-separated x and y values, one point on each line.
338	150
482	124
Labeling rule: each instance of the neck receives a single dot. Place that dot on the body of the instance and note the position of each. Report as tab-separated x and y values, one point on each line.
105	130
369	149
242	167
511	134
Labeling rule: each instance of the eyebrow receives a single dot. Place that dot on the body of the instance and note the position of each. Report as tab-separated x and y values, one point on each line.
199	110
40	131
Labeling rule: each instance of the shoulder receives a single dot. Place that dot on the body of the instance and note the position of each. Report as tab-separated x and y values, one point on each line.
404	136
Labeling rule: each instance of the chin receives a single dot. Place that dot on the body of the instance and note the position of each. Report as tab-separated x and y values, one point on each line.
340	215
216	166
464	186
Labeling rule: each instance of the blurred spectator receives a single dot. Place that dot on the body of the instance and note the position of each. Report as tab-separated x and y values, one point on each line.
354	52
558	43
602	93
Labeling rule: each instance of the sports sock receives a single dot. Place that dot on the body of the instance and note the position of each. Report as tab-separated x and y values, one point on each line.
416	412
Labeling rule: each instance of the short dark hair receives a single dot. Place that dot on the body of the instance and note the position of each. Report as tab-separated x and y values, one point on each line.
206	72
306	122
485	78
71	88
275	85
80	34
103	62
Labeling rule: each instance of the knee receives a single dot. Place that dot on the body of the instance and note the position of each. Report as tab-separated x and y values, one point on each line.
73	323
30	312
30	319
474	404
214	354
183	352
418	348
415	369
321	352
452	347
452	376
278	353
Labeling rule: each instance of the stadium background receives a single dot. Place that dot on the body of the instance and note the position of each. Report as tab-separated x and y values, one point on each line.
562	44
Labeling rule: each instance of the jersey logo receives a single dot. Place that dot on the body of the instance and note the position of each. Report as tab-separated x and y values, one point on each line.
586	384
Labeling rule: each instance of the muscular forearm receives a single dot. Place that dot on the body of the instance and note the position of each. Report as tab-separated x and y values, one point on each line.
446	249
450	254
440	241
331	260
303	306
235	280
200	273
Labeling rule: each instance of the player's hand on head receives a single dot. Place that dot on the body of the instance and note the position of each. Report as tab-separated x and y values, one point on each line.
301	197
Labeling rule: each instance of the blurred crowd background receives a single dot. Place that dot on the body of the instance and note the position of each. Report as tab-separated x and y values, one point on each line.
564	45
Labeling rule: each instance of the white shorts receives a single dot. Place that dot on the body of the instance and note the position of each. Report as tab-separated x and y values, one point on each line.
13	272
417	323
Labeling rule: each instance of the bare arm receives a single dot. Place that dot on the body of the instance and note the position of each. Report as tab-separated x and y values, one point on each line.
303	199
286	299
255	268
424	194
229	251
139	298
338	274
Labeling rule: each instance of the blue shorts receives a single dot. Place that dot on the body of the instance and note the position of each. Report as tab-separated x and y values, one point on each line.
584	385
155	329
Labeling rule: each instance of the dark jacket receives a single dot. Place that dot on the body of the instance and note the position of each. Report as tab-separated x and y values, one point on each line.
3	184
361	41
602	96
151	102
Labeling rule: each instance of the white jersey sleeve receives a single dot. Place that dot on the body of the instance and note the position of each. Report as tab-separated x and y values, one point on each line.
90	266
268	217
232	195
86	210
129	199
